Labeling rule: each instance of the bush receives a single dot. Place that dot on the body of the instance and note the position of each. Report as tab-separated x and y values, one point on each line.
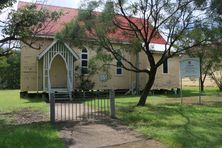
10	71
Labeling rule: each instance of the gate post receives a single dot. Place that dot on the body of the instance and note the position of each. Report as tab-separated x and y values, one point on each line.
52	108
112	103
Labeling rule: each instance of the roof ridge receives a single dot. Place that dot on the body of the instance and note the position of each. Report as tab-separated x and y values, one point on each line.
56	6
73	12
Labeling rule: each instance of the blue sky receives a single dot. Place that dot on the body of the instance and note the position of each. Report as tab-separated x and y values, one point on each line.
64	3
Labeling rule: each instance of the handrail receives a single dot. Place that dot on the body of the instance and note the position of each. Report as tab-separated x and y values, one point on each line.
49	87
69	87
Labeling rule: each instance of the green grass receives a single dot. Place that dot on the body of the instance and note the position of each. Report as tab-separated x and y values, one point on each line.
164	119
33	135
11	101
208	91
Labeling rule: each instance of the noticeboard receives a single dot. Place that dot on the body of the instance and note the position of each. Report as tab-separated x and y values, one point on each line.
103	77
190	67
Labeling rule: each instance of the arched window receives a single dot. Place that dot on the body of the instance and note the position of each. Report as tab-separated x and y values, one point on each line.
84	61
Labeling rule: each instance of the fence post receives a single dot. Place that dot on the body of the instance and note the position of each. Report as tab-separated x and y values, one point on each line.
112	103
84	98
84	94
52	108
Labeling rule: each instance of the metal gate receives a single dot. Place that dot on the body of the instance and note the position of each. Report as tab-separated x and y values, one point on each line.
87	107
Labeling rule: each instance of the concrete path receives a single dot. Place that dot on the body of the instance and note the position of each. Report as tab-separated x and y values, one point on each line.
107	133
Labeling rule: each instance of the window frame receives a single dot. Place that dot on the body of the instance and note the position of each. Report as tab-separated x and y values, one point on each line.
119	68
167	60
86	60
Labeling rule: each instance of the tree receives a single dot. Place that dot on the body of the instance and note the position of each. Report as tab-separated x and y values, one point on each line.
217	77
10	71
216	69
210	55
23	25
173	19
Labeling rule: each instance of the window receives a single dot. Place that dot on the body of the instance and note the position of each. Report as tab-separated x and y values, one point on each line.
84	61
119	67
165	66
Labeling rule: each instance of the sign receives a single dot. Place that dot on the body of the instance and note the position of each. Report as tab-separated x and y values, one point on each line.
190	67
103	77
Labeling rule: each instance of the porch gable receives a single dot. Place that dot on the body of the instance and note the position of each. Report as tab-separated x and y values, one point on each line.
54	44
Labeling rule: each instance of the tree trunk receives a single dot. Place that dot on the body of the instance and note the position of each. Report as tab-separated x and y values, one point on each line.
201	76
218	83
201	84
220	87
147	88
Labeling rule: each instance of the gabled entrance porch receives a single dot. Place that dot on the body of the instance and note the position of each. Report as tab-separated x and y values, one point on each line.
58	68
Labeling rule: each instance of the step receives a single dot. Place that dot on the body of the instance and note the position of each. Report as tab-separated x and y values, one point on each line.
61	93
61	96
59	89
62	99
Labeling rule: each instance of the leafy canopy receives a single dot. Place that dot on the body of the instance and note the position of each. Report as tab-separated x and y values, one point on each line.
23	25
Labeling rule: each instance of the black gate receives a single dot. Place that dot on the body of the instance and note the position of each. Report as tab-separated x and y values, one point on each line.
87	106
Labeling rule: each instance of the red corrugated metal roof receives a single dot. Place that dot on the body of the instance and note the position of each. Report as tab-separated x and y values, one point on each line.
70	13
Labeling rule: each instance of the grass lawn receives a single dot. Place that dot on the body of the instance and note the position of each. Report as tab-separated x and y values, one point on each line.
164	119
10	101
24	135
